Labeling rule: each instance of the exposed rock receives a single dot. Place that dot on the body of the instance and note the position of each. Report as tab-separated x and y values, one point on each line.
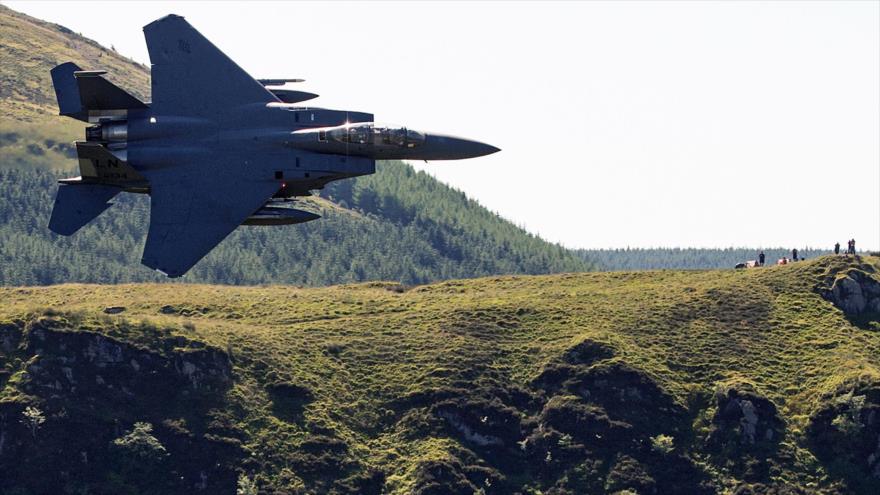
105	368
114	310
744	418
855	292
481	423
205	369
92	388
467	432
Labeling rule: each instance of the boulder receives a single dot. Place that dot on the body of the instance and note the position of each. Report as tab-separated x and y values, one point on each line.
855	292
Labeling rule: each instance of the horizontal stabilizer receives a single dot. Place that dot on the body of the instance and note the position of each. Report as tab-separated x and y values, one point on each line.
80	91
77	205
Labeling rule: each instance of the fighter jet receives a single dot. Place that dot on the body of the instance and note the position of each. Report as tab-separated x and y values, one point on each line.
215	148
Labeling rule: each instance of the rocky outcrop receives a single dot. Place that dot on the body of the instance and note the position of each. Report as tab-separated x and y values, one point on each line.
744	431
844	433
91	388
95	365
744	418
855	291
481	423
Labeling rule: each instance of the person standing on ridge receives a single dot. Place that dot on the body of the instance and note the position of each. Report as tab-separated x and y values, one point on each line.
836	248
853	246
761	258
794	254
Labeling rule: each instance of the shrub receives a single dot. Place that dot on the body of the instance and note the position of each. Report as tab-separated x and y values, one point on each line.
663	444
246	486
33	418
848	421
140	444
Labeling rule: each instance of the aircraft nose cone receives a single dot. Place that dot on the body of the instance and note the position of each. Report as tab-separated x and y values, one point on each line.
455	148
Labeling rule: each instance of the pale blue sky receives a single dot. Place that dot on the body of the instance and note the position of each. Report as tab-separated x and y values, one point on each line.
621	124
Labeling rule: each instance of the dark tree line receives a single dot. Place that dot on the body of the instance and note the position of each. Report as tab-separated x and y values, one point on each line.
685	258
397	225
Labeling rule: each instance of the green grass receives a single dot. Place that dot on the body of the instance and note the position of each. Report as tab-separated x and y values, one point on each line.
361	349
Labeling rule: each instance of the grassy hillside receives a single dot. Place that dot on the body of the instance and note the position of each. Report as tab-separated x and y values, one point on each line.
395	225
649	382
31	132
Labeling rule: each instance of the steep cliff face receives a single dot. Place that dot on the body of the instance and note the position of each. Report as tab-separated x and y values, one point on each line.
90	389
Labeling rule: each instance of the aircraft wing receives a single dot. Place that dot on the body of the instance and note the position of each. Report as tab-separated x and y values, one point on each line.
192	77
188	218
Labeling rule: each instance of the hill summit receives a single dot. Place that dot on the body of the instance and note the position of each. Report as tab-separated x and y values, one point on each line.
398	224
754	381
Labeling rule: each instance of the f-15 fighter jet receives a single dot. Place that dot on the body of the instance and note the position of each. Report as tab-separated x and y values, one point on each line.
215	148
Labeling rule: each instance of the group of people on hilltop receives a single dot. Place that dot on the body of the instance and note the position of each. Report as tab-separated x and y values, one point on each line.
850	247
781	261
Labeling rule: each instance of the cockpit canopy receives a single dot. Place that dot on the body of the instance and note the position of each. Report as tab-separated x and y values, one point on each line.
377	134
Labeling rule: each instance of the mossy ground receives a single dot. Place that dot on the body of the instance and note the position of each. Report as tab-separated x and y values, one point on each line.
359	351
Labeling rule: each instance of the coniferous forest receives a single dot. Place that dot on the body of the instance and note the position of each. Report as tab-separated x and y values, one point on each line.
397	225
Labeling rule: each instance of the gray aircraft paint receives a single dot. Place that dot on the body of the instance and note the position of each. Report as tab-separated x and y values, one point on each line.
215	148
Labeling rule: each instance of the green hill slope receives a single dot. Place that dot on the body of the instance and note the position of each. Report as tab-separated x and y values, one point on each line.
650	382
395	225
